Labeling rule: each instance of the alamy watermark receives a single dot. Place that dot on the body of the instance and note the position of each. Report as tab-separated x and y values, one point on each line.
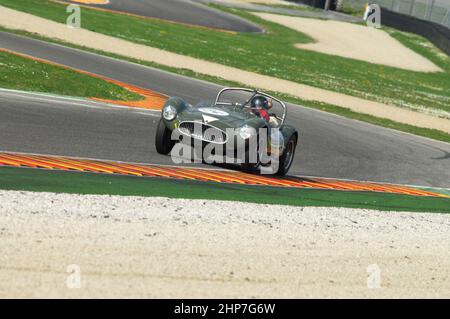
73	281
373	276
372	16
259	149
74	19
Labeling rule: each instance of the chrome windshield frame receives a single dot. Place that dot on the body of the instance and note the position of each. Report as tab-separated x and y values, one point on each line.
255	92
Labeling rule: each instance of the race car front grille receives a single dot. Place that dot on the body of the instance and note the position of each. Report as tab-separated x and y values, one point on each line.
203	132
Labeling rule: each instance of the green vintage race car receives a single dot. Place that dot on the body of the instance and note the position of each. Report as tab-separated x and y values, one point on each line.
244	125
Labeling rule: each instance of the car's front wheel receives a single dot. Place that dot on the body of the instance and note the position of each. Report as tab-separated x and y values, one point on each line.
287	157
163	141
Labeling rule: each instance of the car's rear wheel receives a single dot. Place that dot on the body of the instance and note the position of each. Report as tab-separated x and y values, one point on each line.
287	157
163	141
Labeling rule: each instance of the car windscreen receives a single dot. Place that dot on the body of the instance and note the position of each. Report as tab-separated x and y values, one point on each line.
241	98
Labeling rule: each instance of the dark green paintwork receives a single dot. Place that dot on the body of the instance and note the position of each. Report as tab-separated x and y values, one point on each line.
236	117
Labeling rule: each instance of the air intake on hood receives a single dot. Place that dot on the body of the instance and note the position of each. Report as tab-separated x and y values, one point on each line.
203	132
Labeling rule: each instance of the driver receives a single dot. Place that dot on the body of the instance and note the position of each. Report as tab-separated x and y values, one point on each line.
260	106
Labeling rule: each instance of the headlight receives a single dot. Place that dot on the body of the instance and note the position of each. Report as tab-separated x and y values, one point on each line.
246	132
169	112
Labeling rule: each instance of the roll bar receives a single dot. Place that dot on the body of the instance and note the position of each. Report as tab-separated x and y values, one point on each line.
255	92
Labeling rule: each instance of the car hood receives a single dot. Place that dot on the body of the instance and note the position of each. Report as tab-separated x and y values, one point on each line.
222	117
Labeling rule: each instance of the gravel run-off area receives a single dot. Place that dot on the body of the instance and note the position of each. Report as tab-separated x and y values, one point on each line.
354	41
60	245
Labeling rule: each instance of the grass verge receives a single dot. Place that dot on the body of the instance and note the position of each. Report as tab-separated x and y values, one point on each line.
430	133
294	7
270	54
89	183
21	73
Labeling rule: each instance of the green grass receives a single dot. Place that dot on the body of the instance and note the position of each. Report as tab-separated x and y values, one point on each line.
271	54
354	10
89	183
21	73
430	133
288	6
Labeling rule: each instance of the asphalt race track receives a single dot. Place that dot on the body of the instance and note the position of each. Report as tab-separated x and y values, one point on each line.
330	146
181	11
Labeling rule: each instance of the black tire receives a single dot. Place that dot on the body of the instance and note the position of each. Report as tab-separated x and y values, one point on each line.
287	157
163	141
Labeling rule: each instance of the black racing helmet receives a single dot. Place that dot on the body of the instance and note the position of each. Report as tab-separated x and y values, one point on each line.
260	102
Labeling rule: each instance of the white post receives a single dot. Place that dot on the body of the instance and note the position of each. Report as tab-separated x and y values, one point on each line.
411	7
327	4
446	19
430	10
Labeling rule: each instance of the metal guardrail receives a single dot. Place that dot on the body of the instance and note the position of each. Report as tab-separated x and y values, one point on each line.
437	11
